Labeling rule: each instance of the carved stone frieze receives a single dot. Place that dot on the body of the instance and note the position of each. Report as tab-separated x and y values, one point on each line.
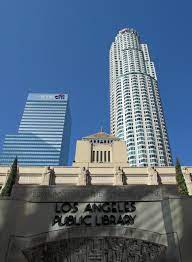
98	249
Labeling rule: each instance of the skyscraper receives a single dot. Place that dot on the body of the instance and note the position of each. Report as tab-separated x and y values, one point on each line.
44	132
136	113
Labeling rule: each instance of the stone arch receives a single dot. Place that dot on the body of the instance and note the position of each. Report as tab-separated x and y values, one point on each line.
85	244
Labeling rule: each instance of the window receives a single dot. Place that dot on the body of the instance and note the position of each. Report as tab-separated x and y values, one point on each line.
105	156
101	156
93	156
109	156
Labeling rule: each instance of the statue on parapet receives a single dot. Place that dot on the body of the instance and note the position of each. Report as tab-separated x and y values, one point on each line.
187	174
152	176
188	179
118	176
48	176
84	177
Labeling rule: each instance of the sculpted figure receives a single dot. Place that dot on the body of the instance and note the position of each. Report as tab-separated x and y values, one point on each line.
97	249
88	177
152	176
51	175
187	174
188	177
43	177
7	175
47	176
82	181
118	176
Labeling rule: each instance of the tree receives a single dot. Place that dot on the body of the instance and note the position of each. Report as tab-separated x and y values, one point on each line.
182	188
6	190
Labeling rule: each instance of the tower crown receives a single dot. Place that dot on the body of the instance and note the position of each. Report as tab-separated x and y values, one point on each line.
126	30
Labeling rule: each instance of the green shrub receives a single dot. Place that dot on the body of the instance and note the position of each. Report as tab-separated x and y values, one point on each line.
182	188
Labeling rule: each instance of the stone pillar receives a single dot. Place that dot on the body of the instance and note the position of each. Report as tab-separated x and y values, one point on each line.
152	176
47	176
187	177
118	176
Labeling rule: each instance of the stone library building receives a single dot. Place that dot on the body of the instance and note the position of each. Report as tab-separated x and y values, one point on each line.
121	200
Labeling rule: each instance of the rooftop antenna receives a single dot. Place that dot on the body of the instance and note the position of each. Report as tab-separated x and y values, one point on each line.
101	129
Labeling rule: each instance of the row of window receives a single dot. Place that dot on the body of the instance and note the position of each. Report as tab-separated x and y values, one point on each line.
20	145
101	141
101	156
30	156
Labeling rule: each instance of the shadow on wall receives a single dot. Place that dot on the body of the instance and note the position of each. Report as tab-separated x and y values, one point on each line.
24	223
182	223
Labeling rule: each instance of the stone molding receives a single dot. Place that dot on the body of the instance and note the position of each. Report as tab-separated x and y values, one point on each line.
93	193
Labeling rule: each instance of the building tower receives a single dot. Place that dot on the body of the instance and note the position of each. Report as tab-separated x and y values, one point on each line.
136	113
44	132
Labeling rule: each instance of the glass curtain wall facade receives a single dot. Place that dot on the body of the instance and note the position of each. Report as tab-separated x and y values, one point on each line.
136	113
44	132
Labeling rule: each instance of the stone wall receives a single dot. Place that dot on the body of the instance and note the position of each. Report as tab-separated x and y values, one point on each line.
155	222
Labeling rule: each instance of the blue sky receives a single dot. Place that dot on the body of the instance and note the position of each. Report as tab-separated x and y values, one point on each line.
63	45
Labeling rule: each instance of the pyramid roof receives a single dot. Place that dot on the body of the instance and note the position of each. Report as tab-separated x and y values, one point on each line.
101	135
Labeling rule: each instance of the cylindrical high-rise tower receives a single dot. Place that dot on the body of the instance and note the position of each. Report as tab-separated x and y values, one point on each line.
136	113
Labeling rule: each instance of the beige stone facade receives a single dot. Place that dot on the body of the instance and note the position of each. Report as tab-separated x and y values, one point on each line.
100	159
48	214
